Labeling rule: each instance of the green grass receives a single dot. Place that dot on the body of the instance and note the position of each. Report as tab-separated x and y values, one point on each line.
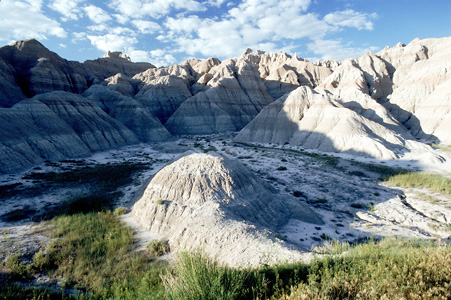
197	277
431	181
20	292
94	253
391	269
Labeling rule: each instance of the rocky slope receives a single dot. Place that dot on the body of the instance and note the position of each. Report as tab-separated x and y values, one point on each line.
129	112
45	118
377	105
217	204
54	126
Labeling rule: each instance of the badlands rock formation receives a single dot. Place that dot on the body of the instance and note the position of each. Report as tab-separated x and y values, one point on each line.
217	204
54	126
377	105
237	90
129	112
33	69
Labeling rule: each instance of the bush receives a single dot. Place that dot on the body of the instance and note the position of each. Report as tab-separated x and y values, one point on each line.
158	247
282	168
118	211
298	194
359	205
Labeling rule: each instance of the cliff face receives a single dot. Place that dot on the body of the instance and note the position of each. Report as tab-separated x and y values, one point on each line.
377	105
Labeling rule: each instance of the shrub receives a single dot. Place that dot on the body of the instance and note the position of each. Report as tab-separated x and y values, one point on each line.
118	211
359	205
298	194
158	247
282	168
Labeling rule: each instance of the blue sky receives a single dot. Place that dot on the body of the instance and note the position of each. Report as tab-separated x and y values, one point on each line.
164	32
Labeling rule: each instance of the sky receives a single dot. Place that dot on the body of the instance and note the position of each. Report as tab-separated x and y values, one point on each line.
164	32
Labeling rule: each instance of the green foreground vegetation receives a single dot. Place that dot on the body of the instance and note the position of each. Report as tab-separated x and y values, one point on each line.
92	255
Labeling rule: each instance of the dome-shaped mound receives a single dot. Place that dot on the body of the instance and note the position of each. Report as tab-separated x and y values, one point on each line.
208	201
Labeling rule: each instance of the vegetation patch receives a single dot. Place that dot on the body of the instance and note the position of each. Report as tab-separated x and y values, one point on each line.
102	184
93	253
158	247
298	194
415	270
359	205
434	182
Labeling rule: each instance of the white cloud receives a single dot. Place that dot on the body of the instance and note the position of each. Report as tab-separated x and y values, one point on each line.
96	14
351	18
334	49
156	57
22	20
146	27
70	9
253	23
187	25
154	8
122	31
98	28
216	3
266	25
112	42
121	18
78	36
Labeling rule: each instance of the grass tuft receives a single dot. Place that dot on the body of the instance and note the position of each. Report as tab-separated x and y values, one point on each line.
198	277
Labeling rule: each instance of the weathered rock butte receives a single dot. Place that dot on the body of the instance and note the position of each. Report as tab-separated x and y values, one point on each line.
210	202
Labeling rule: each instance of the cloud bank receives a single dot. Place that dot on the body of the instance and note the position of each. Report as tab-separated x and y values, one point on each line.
164	31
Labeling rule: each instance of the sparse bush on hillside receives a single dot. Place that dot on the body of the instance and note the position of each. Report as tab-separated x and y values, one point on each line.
118	211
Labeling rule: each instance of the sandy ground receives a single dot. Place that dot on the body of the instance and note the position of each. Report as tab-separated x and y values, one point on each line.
350	199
